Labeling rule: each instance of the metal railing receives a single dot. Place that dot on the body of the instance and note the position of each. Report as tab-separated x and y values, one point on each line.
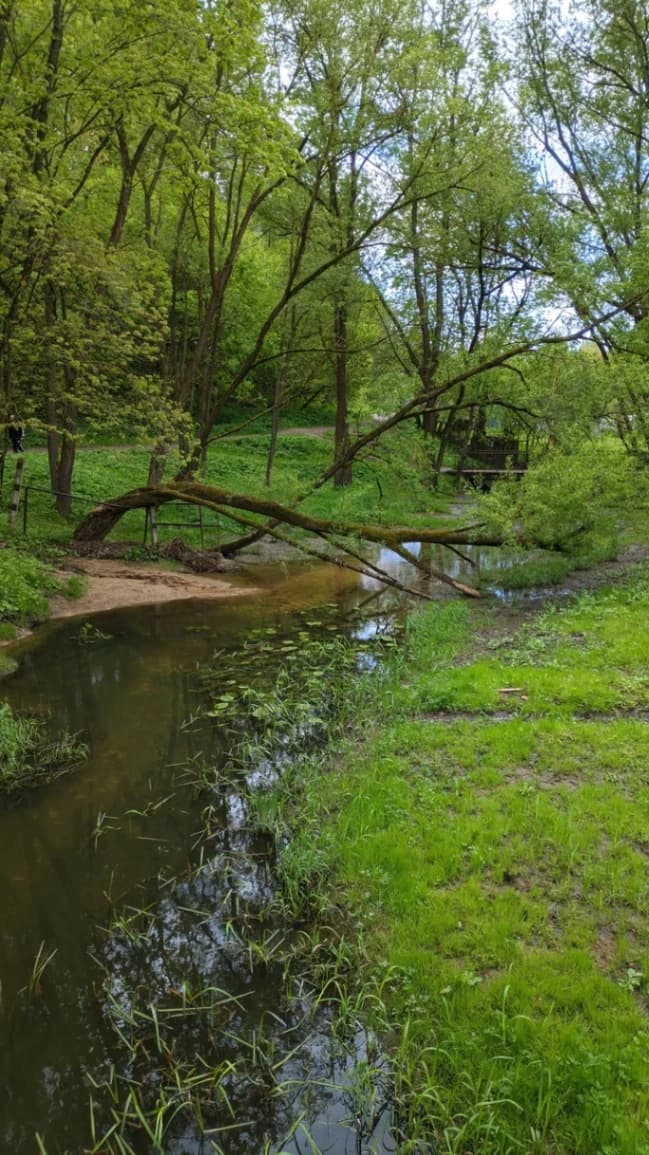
152	524
20	503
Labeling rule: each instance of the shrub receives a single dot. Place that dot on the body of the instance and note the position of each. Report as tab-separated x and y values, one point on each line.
567	498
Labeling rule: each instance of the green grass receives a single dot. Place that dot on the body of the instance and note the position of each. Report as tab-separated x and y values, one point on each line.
518	570
391	490
30	755
496	868
385	489
25	584
593	657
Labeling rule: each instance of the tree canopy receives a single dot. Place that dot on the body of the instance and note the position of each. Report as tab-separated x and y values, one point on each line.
392	208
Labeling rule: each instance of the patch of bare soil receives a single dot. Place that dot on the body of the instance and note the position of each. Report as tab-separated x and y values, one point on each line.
606	572
112	584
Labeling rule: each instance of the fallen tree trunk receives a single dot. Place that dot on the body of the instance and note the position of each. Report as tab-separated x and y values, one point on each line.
101	520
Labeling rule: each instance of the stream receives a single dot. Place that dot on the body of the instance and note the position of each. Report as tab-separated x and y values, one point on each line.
115	842
125	954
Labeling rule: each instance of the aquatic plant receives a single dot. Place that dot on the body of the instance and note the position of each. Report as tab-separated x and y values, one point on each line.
30	754
41	963
175	1029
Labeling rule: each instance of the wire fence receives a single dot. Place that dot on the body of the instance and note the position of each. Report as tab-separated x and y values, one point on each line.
145	526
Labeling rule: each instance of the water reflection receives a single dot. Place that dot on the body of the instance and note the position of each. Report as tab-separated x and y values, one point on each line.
108	838
461	565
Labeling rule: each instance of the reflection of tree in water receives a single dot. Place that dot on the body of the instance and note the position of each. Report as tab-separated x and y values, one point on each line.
194	1023
203	1009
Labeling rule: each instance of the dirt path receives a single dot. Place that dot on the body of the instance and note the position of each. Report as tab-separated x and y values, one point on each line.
114	584
308	431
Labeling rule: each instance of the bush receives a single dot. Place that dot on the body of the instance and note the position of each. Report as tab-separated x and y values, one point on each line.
567	498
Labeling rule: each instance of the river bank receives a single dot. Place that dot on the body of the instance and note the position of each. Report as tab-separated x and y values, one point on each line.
485	829
109	585
471	821
141	881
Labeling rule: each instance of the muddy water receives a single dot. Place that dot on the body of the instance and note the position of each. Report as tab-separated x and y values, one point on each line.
115	835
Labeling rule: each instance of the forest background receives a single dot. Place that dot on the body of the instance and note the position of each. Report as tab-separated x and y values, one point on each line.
393	212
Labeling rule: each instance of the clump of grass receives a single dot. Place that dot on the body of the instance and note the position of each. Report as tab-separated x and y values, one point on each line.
75	586
519	571
29	756
41	963
25	584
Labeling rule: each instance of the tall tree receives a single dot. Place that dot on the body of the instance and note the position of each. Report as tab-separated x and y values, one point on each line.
341	60
457	274
70	306
584	85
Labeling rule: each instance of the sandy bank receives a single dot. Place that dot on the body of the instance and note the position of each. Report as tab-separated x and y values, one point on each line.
117	584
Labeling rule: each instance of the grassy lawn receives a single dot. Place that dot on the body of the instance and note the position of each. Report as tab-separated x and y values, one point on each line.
493	848
389	488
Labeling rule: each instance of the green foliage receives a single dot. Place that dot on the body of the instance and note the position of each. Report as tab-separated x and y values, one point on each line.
25	584
569	499
309	688
495	867
29	755
517	570
390	486
75	586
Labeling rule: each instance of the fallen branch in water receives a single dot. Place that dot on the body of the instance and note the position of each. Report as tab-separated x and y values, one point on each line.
101	520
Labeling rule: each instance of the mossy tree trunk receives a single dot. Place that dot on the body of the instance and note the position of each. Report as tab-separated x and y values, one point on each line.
100	521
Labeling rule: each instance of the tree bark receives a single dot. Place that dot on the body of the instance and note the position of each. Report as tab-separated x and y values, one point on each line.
343	474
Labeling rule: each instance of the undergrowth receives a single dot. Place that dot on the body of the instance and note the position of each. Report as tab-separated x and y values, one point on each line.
30	754
27	582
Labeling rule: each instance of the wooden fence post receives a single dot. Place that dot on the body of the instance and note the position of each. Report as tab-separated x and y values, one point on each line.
15	496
